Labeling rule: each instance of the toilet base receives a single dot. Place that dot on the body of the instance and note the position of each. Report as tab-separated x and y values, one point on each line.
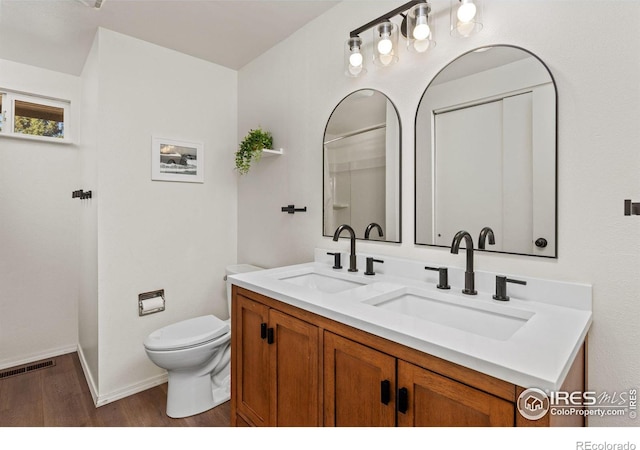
188	395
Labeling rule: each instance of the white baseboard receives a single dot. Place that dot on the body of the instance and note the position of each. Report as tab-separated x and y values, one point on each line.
103	399
38	356
88	376
131	389
98	399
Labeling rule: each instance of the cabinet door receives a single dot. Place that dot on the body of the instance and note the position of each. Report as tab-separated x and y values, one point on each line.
251	371
358	384
437	401
294	371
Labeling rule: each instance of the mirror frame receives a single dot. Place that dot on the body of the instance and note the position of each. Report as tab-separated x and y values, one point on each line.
395	108
415	155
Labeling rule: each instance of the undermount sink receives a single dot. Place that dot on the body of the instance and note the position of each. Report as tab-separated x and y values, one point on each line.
500	322
321	282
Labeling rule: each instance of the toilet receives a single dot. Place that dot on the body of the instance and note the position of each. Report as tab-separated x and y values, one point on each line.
197	356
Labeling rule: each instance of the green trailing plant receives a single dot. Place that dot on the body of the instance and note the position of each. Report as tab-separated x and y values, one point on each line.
251	149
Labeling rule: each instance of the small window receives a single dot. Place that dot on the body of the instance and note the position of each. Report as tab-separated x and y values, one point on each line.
33	117
38	120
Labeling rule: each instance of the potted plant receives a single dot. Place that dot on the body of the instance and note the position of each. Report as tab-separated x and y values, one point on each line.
251	149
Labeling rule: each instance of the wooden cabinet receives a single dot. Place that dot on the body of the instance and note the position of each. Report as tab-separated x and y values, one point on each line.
275	370
431	400
357	384
291	367
361	389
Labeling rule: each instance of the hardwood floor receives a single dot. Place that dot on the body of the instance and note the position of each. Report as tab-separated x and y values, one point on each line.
59	397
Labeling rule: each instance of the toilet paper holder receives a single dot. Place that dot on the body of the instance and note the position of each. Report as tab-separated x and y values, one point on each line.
151	302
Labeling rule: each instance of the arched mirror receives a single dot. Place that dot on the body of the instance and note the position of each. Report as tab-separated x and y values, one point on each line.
361	173
485	153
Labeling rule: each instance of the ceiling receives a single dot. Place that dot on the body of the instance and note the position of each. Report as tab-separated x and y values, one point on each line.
58	34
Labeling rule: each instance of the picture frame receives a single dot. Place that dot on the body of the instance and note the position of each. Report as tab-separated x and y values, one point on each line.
173	160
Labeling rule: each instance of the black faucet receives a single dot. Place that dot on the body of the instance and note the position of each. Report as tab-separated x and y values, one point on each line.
469	282
484	233
352	234
371	226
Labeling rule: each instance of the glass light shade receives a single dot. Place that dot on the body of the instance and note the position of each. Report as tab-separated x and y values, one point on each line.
420	28
466	17
353	58
385	44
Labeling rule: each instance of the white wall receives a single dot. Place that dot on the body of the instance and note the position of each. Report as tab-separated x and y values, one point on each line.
591	52
38	230
151	234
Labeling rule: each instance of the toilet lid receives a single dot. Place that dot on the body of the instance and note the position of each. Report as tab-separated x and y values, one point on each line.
187	333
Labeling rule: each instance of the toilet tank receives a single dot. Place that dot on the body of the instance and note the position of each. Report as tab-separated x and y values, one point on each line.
233	270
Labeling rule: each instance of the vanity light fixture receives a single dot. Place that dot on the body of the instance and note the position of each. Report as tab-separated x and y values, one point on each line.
417	27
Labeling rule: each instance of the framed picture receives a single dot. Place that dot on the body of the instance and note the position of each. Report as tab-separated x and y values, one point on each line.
177	160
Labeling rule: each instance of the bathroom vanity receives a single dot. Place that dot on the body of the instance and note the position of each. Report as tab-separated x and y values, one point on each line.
316	346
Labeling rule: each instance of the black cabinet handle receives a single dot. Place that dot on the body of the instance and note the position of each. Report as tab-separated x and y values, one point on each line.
270	336
403	400
385	392
263	331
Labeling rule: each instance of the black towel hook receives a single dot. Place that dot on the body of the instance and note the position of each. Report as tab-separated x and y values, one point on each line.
291	209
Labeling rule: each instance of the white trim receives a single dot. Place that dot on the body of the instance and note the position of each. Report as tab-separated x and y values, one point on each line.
39	356
30	137
131	389
93	389
98	400
32	95
101	400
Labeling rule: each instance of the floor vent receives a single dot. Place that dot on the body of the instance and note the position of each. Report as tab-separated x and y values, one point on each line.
19	370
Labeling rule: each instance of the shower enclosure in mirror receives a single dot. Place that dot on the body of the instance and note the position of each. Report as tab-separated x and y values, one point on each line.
485	153
361	173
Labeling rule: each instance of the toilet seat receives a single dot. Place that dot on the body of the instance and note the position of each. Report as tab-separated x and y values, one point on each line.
187	333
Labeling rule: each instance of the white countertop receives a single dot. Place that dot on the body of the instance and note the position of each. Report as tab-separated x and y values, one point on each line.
538	354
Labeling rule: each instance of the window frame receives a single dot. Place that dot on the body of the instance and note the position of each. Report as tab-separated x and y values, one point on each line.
9	99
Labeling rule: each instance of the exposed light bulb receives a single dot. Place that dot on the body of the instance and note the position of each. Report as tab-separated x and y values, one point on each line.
385	45
466	11
421	31
355	59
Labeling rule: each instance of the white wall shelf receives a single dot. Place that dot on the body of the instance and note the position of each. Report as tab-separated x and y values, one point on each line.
266	152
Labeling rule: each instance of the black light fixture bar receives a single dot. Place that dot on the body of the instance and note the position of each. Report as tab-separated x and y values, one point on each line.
386	17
